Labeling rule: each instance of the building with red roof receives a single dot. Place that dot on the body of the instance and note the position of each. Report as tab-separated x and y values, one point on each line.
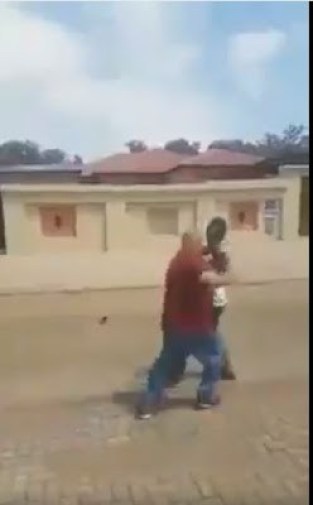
160	166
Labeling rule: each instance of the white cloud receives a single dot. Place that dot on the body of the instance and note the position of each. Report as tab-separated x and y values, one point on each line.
250	55
33	49
125	75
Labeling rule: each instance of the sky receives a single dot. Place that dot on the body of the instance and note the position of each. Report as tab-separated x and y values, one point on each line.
87	77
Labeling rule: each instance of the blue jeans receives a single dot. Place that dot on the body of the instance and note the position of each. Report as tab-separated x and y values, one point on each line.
177	347
177	369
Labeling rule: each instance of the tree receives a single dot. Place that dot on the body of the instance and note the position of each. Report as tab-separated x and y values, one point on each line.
15	152
292	146
77	160
183	146
232	145
52	156
293	135
136	146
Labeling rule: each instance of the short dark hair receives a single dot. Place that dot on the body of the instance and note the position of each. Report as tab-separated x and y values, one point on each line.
216	231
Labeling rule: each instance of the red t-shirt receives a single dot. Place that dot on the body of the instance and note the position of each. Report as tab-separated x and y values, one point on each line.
188	303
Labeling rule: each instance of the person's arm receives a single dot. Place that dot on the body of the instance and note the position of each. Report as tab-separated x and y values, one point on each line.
220	258
215	279
165	302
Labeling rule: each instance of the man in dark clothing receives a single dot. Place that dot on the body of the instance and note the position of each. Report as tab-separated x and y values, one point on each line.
187	322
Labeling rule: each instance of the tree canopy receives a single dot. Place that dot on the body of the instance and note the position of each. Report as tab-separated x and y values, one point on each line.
136	146
183	146
291	146
16	152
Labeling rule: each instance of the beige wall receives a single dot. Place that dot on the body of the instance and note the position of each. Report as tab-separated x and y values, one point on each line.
115	218
24	235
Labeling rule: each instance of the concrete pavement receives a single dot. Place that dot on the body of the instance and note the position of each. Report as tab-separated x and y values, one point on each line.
68	385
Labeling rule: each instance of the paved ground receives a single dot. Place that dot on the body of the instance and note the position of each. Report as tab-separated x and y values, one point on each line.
68	384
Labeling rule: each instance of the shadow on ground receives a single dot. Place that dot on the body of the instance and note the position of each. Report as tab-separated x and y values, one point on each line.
129	400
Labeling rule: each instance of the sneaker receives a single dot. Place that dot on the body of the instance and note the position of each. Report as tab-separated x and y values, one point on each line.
205	403
143	412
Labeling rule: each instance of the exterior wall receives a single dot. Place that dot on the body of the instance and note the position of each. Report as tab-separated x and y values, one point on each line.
291	209
117	218
304	224
120	178
189	174
39	177
24	234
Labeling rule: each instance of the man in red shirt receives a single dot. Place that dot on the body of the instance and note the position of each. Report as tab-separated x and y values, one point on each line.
188	322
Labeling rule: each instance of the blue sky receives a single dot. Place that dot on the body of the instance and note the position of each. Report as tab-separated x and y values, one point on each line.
87	77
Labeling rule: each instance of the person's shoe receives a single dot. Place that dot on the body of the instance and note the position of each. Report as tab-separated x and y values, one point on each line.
228	375
145	408
204	403
143	412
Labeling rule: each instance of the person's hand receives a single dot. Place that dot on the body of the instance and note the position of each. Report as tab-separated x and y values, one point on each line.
207	257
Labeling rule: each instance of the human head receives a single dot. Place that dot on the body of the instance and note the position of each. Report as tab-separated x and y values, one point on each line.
191	242
216	230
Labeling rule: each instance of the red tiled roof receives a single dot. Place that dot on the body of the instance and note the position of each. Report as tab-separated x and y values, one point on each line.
150	161
222	157
161	161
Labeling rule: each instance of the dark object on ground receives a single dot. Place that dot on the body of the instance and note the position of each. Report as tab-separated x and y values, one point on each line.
103	320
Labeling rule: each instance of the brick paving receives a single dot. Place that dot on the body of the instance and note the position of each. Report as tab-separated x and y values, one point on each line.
258	456
89	450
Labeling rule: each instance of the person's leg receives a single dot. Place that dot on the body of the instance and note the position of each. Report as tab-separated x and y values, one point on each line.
158	377
227	371
217	312
176	368
208	352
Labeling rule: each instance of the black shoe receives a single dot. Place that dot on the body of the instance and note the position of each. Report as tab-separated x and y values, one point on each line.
205	403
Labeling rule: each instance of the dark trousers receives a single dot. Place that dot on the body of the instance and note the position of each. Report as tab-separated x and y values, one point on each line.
178	365
179	346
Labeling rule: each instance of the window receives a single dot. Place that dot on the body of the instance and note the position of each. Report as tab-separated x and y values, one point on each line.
272	217
243	215
58	220
163	220
271	204
271	207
